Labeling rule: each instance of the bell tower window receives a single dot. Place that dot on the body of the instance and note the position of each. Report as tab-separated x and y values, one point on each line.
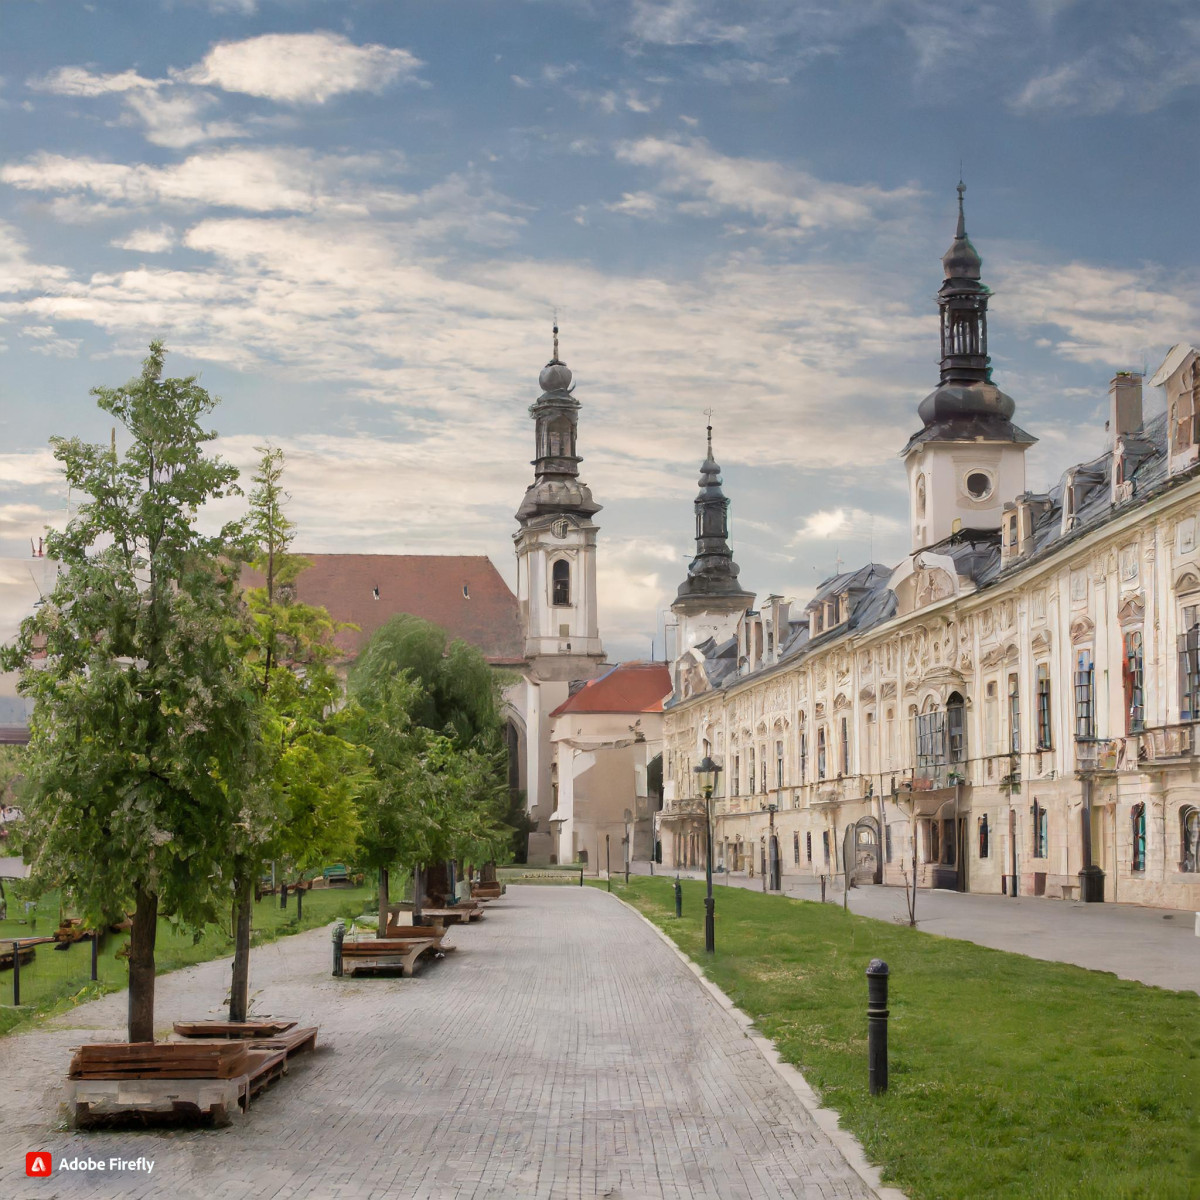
561	580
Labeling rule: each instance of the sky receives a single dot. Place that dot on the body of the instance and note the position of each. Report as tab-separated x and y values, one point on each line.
356	219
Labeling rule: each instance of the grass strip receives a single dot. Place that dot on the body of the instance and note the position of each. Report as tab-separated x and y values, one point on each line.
57	980
1009	1076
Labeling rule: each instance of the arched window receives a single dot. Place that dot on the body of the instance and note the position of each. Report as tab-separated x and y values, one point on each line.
1137	857
920	497
821	753
1189	839
983	837
956	729
561	576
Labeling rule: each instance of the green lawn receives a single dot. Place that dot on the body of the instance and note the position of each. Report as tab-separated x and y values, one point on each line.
1009	1077
57	979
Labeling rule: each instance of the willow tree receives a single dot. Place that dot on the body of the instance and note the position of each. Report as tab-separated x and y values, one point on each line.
144	731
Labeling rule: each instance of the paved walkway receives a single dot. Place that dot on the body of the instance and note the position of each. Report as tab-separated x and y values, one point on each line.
1152	945
563	1051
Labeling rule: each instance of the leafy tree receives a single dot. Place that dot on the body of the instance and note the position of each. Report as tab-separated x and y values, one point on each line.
431	714
144	735
304	812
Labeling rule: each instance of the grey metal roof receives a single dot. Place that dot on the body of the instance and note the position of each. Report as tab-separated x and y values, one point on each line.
976	553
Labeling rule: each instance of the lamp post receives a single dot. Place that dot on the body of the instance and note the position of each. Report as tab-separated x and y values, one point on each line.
707	770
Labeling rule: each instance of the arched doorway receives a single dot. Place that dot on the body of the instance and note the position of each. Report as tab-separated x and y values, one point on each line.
868	862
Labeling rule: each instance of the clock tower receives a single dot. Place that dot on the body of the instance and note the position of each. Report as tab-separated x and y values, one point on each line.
556	541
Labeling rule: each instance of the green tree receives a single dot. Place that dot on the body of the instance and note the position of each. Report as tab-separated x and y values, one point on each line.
144	736
444	759
303	811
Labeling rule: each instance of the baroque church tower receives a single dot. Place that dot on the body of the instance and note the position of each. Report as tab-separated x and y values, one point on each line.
710	600
556	541
969	459
556	593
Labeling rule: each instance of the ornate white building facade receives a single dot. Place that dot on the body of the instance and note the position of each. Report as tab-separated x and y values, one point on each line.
1015	704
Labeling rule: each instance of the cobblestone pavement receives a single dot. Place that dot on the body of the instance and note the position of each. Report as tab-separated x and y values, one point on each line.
1157	946
564	1050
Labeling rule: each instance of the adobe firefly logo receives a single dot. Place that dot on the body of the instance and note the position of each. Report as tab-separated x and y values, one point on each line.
38	1164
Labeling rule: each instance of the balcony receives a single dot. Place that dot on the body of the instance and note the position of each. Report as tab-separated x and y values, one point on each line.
1167	743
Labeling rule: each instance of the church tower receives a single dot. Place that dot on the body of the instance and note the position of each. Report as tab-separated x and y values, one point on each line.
556	541
710	600
969	459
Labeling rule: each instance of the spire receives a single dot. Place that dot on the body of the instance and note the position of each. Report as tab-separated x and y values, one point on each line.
556	487
712	572
962	260
966	394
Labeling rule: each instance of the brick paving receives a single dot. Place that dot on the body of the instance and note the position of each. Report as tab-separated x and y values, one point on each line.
563	1051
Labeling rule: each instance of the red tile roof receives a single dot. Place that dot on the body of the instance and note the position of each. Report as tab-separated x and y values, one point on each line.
463	593
628	688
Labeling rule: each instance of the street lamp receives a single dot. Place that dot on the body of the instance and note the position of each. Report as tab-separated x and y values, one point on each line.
707	770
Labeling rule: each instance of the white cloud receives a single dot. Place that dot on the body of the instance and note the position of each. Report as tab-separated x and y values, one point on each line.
783	199
1104	315
147	241
28	468
17	272
259	180
845	522
302	68
174	118
635	204
45	340
79	81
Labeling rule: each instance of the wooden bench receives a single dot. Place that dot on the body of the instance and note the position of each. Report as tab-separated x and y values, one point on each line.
487	891
6	955
470	911
434	930
375	953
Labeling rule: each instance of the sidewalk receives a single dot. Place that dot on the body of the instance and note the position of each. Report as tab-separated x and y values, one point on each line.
1152	945
565	1050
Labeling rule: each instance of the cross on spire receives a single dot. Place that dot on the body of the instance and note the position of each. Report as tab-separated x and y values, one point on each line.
708	412
554	357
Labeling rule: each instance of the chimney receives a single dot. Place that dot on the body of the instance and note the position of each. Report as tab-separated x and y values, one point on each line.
1125	392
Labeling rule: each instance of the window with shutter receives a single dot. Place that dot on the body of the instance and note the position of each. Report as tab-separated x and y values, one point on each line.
1044	734
1133	675
1138	855
1189	665
1085	698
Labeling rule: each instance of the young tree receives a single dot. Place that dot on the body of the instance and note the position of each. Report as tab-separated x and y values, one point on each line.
144	733
305	812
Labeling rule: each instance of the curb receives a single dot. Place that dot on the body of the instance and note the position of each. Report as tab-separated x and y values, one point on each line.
825	1118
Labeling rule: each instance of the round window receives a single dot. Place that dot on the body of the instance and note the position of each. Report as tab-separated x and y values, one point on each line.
979	485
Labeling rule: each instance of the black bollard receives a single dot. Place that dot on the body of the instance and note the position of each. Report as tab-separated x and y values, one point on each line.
339	935
822	889
877	1026
581	875
283	895
299	905
95	955
607	862
678	899
16	973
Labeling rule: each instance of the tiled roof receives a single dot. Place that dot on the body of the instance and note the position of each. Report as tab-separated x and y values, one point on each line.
631	687
463	593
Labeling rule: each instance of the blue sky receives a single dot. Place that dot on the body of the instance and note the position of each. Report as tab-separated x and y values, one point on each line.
355	220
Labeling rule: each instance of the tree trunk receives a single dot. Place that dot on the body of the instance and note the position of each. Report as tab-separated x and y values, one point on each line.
437	884
418	893
381	928
141	965
239	989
